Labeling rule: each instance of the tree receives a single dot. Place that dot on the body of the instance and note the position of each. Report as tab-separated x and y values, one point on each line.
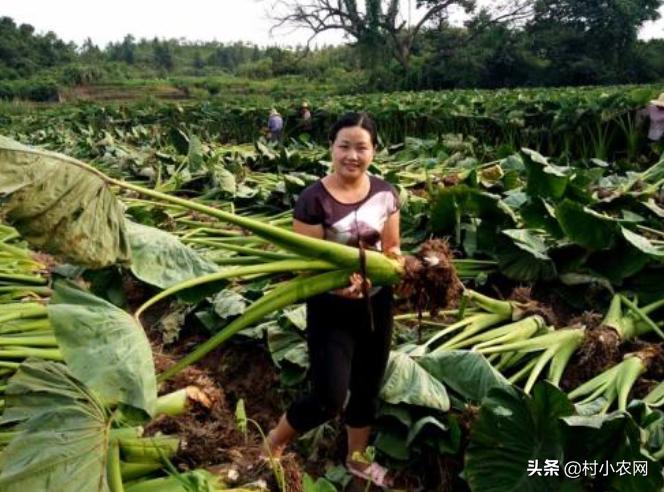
23	53
380	23
125	51
589	41
162	55
198	62
89	51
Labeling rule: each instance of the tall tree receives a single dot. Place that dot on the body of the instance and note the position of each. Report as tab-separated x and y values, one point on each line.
162	55
198	62
125	51
22	52
380	24
89	51
589	41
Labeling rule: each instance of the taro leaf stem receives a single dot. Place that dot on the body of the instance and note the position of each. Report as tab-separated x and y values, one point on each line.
291	292
274	267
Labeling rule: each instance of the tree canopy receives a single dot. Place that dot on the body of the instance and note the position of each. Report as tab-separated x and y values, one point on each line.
513	43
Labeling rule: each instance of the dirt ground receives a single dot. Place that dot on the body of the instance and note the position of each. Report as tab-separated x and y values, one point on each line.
210	437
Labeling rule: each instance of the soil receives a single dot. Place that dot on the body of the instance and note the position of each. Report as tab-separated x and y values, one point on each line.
556	312
119	93
599	351
430	281
531	307
210	437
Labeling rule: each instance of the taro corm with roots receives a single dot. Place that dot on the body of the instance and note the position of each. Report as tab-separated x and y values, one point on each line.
430	280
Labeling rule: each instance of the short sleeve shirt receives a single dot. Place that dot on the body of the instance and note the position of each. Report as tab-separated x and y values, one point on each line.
275	123
656	130
348	223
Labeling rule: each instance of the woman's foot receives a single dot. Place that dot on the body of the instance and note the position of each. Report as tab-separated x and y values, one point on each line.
372	472
277	439
272	450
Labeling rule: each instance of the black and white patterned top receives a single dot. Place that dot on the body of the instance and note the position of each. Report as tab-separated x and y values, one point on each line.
347	223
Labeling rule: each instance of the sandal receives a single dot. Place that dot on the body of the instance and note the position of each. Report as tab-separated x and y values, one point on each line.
374	473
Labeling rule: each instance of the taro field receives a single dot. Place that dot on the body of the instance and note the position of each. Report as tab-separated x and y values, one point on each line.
151	294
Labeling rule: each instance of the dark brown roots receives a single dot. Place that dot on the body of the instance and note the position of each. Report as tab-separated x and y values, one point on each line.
430	281
599	351
530	307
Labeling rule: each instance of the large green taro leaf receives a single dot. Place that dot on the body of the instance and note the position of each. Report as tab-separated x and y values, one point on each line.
613	438
524	255
160	259
407	382
545	179
511	430
65	431
642	244
451	203
59	207
585	226
467	373
288	349
104	347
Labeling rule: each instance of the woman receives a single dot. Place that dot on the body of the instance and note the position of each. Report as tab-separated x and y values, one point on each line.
348	342
654	112
275	125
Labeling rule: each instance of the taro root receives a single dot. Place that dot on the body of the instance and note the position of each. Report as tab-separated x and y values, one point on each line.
430	280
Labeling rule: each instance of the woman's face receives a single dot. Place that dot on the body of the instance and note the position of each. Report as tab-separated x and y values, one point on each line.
352	152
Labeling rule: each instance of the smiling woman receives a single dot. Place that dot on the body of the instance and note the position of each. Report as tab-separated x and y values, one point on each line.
349	330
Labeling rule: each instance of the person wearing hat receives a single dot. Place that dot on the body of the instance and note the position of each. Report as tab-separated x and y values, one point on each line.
655	113
275	125
305	117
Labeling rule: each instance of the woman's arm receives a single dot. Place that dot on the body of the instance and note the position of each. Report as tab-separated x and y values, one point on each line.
390	238
315	230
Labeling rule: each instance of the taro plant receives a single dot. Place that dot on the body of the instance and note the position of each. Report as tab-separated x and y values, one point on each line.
100	245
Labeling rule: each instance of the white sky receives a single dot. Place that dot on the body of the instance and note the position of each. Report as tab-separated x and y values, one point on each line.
194	20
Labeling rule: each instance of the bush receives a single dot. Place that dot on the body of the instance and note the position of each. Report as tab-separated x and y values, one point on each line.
7	91
212	86
81	75
39	91
261	69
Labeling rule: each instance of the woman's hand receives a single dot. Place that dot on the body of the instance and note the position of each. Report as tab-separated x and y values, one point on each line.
354	290
394	253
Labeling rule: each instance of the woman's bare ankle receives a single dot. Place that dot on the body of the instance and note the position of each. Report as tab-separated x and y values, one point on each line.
273	448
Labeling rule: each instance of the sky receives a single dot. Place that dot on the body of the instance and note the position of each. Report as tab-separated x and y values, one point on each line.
193	20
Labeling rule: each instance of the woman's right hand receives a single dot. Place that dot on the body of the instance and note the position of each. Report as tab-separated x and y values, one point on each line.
354	290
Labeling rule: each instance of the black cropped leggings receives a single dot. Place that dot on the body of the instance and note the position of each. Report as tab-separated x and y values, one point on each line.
347	360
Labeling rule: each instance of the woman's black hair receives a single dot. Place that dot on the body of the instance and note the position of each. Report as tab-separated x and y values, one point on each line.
363	120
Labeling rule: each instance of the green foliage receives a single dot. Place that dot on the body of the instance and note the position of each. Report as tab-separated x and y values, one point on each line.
162	55
76	74
93	335
588	42
406	381
24	53
53	404
513	430
563	43
160	259
56	206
